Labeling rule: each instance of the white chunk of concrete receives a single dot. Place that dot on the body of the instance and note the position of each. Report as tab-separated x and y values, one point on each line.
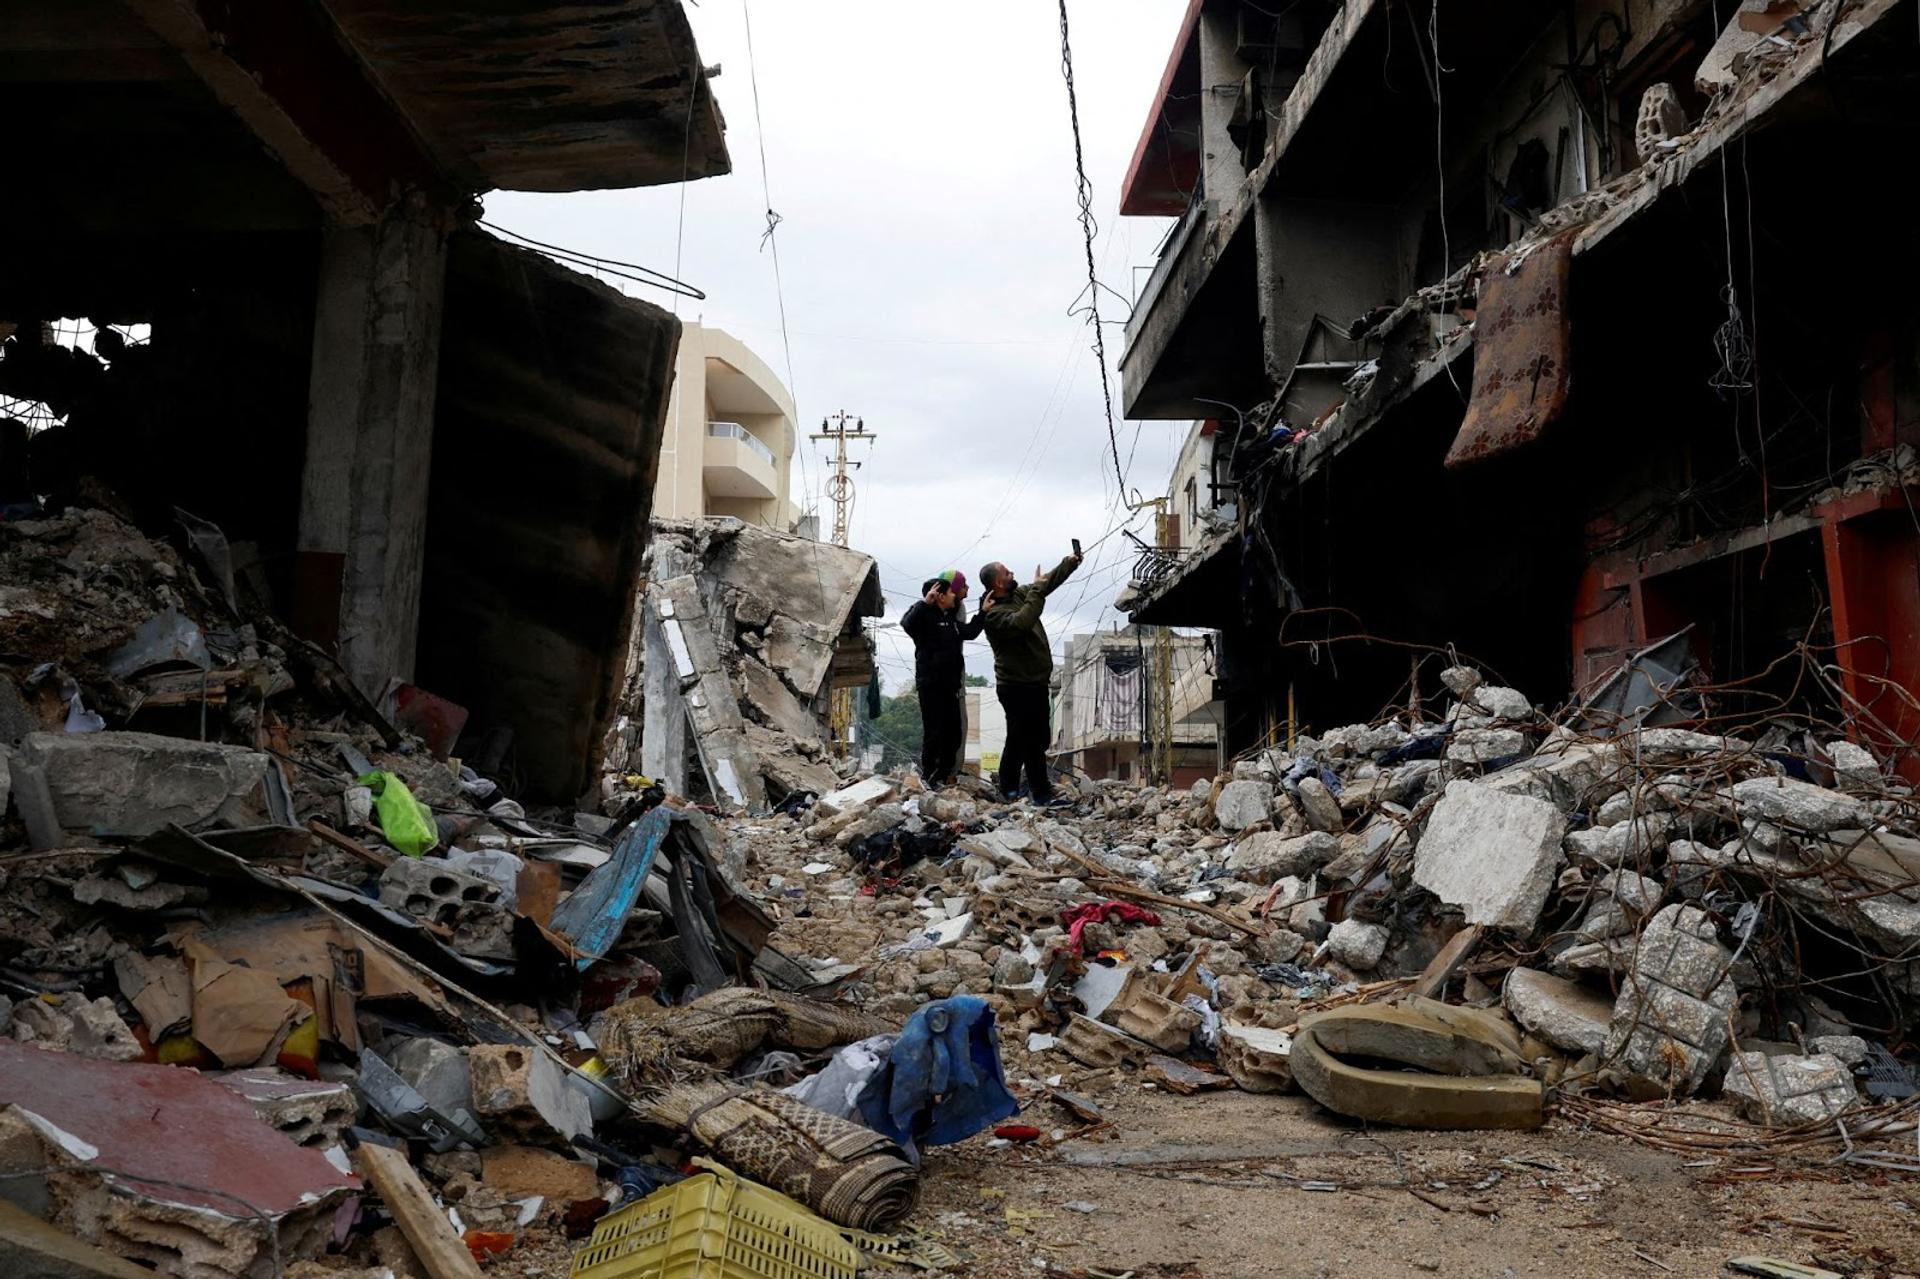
1494	855
1242	804
1564	1013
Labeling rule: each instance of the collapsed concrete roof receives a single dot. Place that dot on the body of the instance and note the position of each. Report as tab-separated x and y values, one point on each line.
745	634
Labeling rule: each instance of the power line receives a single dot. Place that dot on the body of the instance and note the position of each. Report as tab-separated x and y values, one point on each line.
1084	191
574	257
769	240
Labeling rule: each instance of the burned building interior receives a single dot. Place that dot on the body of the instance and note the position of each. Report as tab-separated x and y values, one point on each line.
1657	369
334	363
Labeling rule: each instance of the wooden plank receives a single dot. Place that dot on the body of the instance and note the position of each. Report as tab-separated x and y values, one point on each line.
345	845
425	1226
1440	970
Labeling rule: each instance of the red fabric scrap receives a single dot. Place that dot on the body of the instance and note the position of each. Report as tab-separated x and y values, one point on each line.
1076	919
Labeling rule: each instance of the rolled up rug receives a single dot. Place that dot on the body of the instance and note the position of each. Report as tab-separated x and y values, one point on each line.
646	1043
850	1175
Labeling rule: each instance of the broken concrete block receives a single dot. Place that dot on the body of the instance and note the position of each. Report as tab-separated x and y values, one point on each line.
1159	1021
1850	1049
356	807
520	1089
429	888
1002	848
1622	899
768	697
1669	1024
1786	1091
1626	842
1257	1059
438	1071
6	777
133	784
1266	856
1564	1013
1321	809
1800	805
310	1112
1485	745
859	796
1358	945
1854	765
35	1021
1096	1044
434	890
1493	854
130	888
1461	680
1243	804
98	1031
1299	903
950	932
1500	702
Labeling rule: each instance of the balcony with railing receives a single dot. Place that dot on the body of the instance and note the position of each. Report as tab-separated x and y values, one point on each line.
737	463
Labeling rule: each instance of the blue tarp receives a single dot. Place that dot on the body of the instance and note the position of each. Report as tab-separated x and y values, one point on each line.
943	1080
591	918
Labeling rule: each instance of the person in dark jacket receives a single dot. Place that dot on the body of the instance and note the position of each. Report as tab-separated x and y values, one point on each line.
1022	671
939	626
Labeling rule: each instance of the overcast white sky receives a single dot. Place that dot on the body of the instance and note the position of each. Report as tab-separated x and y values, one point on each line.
920	159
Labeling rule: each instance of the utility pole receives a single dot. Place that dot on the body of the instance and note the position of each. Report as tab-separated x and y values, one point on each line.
840	490
1157	725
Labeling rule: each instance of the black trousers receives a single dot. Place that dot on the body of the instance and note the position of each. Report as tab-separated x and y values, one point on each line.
940	732
1028	732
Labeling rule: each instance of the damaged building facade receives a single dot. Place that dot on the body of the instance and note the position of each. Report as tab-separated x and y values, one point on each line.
347	376
1543	333
1109	690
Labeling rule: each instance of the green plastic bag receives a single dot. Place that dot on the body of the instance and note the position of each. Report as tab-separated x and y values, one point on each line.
406	822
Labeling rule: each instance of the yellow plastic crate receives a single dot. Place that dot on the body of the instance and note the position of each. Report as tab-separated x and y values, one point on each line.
716	1226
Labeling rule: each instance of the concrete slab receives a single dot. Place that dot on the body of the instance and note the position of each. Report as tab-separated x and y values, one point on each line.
1800	805
1564	1013
132	784
859	795
1493	854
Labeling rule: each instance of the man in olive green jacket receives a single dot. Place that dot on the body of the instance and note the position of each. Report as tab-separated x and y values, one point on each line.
1022	669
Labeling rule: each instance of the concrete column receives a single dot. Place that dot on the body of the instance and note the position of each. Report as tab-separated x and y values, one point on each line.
363	497
1319	257
1221	74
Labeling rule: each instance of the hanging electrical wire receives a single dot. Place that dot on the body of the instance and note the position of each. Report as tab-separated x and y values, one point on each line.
1088	233
612	266
770	241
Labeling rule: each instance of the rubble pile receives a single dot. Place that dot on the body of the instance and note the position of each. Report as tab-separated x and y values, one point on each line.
278	981
280	976
1441	924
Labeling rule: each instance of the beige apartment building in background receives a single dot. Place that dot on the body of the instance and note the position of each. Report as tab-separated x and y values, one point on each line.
730	436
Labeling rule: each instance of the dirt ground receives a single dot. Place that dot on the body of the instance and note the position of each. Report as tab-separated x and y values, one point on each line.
1231	1185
